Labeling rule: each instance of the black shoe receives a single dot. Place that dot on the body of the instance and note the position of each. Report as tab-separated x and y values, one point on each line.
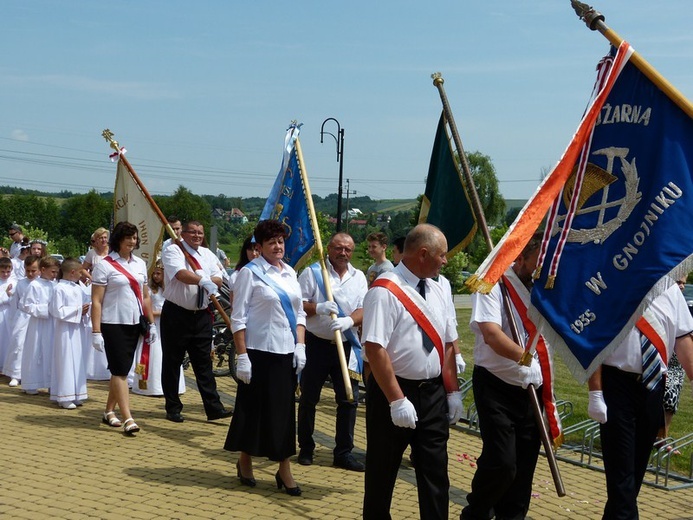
305	458
220	415
350	463
174	417
244	480
294	491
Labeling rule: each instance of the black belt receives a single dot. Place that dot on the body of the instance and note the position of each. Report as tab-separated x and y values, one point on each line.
318	338
630	375
419	383
188	311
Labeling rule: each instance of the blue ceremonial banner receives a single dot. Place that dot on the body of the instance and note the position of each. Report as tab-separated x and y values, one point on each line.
287	203
621	225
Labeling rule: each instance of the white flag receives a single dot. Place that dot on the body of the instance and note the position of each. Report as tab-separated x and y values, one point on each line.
129	203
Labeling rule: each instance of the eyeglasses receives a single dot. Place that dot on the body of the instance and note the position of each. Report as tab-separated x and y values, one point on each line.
345	249
196	233
13	233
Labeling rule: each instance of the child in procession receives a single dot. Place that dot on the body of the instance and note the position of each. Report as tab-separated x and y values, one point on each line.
68	376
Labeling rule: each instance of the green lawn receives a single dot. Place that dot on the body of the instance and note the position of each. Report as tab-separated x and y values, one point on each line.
567	388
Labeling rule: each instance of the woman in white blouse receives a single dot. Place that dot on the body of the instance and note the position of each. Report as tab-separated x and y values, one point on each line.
268	324
120	301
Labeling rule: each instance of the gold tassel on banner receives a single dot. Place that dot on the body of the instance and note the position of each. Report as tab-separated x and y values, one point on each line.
550	281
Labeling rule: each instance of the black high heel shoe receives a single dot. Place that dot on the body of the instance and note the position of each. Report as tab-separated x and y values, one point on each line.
251	482
294	491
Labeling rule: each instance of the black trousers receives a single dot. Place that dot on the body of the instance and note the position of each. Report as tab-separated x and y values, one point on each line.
386	444
183	330
322	360
502	483
634	415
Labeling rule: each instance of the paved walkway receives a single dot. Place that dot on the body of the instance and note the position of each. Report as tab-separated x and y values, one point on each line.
66	464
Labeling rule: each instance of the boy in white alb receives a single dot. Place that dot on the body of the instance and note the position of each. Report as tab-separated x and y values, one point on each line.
68	376
19	320
7	286
37	358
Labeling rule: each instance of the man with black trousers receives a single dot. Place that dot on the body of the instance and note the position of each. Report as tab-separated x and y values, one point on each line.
412	390
186	321
349	286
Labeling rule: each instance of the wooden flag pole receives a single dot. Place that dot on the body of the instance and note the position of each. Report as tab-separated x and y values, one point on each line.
481	220
595	21
323	268
108	136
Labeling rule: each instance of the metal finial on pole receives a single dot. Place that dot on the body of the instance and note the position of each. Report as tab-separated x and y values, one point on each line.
108	136
588	14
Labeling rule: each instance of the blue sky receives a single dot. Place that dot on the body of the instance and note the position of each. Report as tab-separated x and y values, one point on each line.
201	93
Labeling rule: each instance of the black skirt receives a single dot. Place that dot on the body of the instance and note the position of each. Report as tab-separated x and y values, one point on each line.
264	417
120	343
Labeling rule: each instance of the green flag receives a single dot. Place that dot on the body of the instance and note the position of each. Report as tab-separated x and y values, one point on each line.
445	203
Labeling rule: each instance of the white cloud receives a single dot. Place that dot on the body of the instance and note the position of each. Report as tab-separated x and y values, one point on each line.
19	135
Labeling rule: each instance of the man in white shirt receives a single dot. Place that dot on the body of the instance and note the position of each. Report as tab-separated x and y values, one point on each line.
412	390
630	413
502	483
348	287
186	321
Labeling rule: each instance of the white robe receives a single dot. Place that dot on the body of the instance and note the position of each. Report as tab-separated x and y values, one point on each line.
37	357
155	357
68	375
95	362
5	323
19	320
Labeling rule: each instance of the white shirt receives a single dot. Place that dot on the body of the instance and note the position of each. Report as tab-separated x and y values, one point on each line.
347	291
18	268
387	323
671	310
488	308
120	305
183	294
258	310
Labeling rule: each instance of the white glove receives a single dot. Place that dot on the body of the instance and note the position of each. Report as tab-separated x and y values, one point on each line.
341	324
244	369
531	375
299	357
403	413
208	285
596	408
153	336
97	341
461	365
455	406
326	308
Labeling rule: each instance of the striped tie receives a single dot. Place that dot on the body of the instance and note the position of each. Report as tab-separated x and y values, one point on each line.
651	363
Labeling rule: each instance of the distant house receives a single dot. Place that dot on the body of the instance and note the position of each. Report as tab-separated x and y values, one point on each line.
237	216
352	213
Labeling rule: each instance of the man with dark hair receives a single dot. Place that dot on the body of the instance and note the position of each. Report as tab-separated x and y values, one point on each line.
502	484
16	234
175	223
186	321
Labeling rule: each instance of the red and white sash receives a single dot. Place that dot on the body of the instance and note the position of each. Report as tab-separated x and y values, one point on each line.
519	296
416	306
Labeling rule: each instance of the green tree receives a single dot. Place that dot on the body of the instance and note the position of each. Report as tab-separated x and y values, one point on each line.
453	271
82	214
186	206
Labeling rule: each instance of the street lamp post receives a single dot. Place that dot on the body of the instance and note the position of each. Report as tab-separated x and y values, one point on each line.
339	139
